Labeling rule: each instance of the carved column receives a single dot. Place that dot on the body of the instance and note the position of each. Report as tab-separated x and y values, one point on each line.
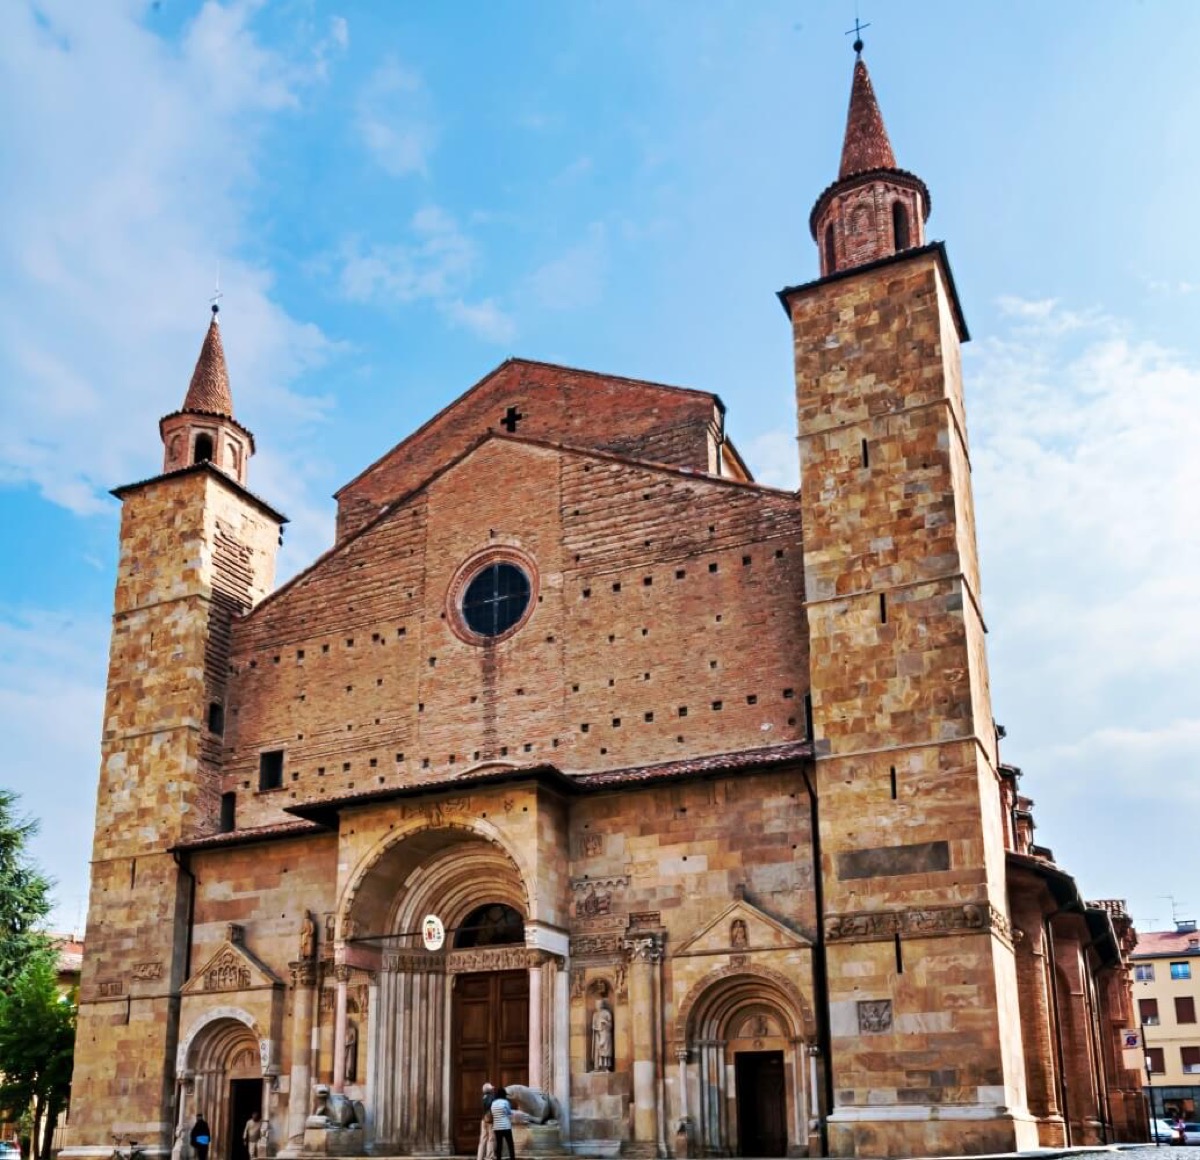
645	953
535	1022
560	1024
304	981
371	1079
342	974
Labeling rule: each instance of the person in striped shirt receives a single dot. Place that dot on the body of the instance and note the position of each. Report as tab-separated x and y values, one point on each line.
501	1114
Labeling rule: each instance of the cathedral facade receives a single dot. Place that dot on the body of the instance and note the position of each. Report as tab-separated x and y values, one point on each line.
584	762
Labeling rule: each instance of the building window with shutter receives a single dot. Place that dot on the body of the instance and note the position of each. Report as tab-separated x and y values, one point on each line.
1185	1009
1181	970
1154	1060
1191	1059
1148	1011
1144	972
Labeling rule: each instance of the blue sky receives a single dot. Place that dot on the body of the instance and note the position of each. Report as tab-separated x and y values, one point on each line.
399	196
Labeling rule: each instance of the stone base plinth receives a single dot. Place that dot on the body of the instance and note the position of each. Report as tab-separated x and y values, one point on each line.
334	1142
538	1140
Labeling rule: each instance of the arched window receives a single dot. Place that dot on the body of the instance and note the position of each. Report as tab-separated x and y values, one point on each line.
492	925
900	225
203	452
830	254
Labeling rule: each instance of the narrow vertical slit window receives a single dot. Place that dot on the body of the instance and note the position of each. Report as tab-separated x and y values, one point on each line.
866	455
899	956
830	253
228	812
883	608
893	772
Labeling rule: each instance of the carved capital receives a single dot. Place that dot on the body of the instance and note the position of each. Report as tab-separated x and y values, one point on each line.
304	973
342	972
644	948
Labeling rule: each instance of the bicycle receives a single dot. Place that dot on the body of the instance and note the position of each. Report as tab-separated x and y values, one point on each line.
134	1153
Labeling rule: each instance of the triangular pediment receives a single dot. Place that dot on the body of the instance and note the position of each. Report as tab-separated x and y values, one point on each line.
232	968
739	929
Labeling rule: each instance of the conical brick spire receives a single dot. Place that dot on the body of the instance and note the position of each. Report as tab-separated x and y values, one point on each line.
874	209
204	430
209	391
866	146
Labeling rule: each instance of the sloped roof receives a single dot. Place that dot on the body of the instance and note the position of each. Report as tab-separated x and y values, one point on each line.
209	391
866	145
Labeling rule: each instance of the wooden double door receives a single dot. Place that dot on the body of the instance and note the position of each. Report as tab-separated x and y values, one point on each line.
489	1043
761	1103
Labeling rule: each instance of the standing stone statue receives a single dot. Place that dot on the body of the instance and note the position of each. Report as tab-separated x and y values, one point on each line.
308	936
602	1038
351	1052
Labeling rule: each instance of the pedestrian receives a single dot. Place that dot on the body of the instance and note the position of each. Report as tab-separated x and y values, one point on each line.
487	1142
201	1137
252	1134
501	1116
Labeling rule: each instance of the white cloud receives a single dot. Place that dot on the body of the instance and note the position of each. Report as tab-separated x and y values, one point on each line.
575	278
1086	480
774	459
135	158
395	120
52	673
484	319
437	264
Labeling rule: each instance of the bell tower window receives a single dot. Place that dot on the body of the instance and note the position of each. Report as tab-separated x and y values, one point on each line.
830	255
203	450
900	225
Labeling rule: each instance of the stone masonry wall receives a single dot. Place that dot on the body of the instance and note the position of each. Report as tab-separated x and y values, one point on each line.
194	550
922	979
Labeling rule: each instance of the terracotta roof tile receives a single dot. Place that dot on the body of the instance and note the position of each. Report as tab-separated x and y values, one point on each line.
1166	942
209	390
866	146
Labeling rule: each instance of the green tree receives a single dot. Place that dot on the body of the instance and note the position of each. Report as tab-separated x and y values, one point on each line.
24	893
37	1041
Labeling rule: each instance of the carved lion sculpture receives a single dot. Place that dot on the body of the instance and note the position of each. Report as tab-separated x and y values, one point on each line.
336	1108
538	1106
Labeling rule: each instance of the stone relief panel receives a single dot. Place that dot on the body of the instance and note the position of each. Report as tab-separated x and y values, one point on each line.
147	971
874	1016
227	972
924	922
596	946
488	959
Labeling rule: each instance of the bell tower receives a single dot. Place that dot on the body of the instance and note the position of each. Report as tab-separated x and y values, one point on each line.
925	1043
196	550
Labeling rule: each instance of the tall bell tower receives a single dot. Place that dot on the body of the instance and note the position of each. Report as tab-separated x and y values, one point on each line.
196	550
925	1047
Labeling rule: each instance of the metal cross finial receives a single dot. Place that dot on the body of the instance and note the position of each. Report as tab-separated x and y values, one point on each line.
217	295
857	30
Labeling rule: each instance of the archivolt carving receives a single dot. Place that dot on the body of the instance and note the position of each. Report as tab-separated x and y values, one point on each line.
463	862
723	992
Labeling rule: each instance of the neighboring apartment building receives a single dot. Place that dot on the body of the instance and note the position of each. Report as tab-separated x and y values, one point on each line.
1166	973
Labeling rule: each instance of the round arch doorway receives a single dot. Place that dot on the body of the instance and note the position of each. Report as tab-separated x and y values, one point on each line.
489	1020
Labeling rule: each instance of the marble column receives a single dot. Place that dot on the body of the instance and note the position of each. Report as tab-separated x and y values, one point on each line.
560	1054
342	974
304	981
645	952
371	1078
536	975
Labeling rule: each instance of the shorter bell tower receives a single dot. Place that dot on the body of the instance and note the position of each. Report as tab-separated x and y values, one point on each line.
204	430
196	551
